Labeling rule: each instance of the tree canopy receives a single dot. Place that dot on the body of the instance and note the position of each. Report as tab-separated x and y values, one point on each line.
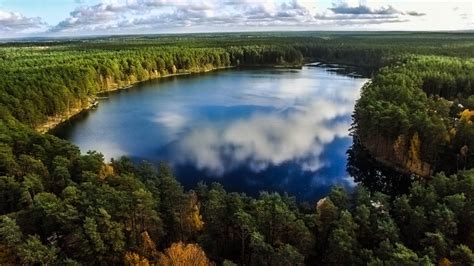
61	206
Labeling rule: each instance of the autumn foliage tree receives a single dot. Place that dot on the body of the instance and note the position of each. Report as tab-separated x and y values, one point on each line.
184	254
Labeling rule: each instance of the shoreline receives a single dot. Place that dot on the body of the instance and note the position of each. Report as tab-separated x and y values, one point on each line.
56	121
53	122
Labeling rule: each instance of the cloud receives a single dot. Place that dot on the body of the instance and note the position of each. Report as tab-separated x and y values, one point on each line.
467	16
344	8
355	20
167	15
158	14
347	15
14	22
414	13
90	17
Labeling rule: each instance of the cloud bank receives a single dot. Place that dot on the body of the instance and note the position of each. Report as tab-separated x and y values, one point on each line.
184	13
344	14
202	15
180	16
16	22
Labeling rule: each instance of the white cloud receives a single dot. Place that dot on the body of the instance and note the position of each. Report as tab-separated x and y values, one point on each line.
437	15
348	13
14	22
167	15
184	13
154	16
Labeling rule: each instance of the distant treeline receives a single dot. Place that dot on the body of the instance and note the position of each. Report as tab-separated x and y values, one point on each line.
43	79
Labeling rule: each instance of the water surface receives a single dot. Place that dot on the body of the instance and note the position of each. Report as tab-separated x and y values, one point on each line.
280	130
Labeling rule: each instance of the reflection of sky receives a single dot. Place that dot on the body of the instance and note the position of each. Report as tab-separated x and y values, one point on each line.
283	130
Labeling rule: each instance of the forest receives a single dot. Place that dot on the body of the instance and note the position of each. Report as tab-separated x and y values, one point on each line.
47	79
61	206
421	107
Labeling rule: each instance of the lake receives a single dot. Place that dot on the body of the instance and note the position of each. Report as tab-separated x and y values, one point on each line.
282	130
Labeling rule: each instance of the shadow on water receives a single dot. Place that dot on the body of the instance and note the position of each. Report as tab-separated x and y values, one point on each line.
64	129
374	175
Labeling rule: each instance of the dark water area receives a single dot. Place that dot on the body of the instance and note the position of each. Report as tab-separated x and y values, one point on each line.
374	175
284	130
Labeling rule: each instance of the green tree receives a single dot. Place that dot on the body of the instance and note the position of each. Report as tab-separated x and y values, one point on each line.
462	255
342	241
246	226
35	252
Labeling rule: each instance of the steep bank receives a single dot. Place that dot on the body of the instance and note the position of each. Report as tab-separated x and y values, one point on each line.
403	154
62	81
109	84
53	121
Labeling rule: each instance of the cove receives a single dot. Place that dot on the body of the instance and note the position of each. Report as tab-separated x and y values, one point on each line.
284	130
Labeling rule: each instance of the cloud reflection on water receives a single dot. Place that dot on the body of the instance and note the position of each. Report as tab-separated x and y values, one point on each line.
298	133
252	130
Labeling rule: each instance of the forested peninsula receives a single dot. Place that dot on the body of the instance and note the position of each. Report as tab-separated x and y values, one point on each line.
61	206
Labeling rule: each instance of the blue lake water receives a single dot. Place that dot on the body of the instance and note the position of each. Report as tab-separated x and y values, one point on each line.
280	130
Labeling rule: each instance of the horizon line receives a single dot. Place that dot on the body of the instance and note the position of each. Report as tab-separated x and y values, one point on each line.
92	36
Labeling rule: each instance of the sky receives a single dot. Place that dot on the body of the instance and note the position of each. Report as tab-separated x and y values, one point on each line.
23	18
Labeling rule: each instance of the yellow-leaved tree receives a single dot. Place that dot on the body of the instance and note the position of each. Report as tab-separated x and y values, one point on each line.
184	254
134	259
466	115
147	248
106	170
194	218
414	162
146	253
445	262
190	217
